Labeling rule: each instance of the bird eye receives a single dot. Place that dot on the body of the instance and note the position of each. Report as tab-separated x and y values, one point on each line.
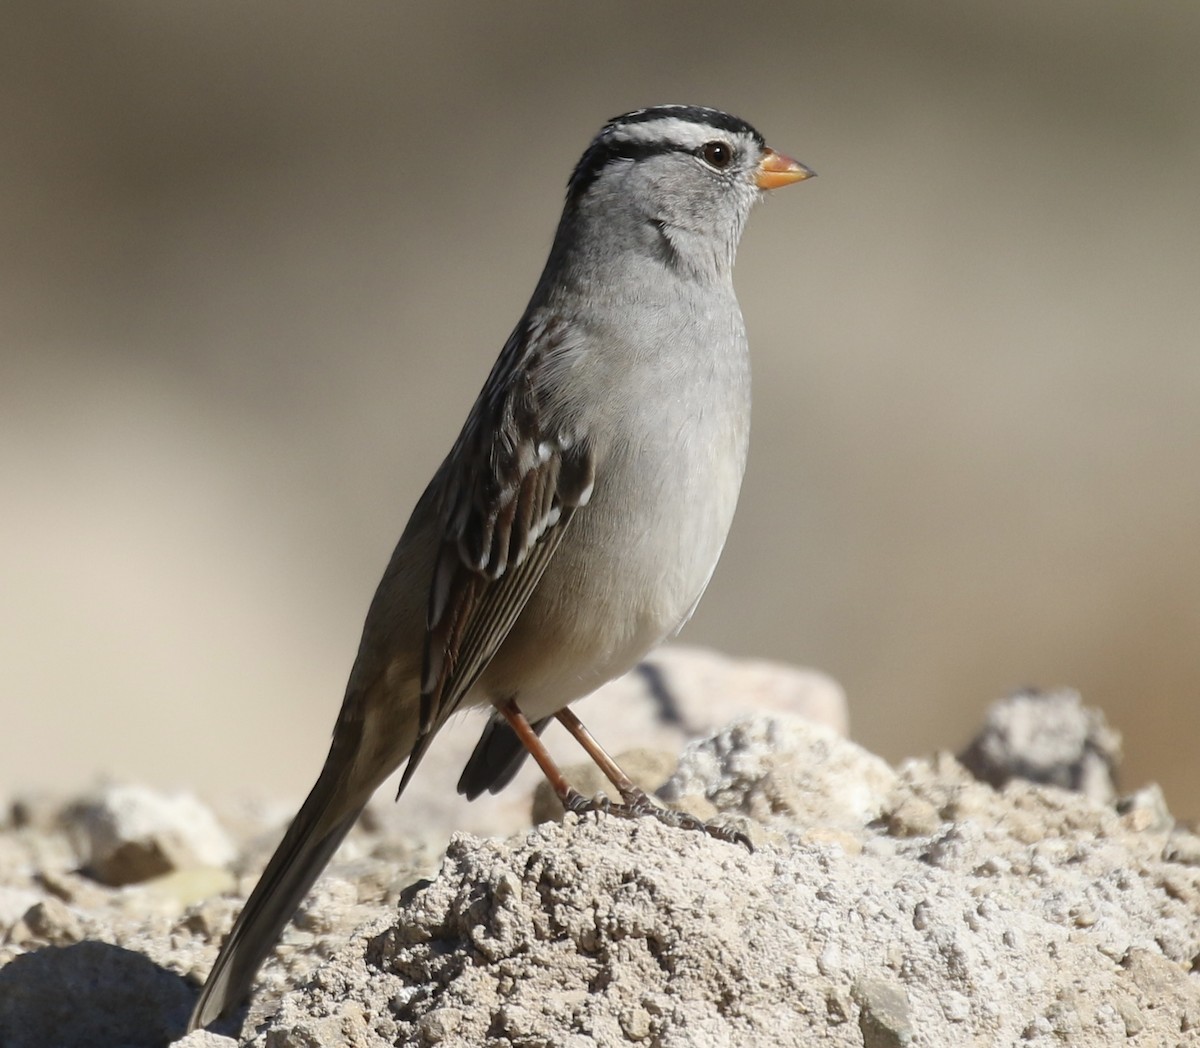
717	154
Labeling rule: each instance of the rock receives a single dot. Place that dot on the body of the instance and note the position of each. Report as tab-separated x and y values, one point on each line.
880	907
41	846
47	922
127	834
588	929
784	770
1048	737
204	1039
1146	810
39	811
14	904
697	691
885	1018
601	930
89	994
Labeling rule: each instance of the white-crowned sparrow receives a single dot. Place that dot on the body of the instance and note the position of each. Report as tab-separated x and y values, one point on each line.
578	517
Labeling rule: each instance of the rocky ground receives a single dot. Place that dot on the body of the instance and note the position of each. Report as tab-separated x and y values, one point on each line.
1007	898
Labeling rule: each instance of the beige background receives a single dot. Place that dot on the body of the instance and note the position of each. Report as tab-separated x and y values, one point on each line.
256	259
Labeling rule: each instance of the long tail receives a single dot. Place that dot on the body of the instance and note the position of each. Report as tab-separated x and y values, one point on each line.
314	835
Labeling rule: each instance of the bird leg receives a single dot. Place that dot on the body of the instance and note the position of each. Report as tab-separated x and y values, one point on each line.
636	802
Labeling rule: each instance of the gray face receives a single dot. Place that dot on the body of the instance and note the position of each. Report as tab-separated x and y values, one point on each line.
685	174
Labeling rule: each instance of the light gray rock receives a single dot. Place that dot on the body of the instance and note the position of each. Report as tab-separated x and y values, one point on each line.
881	907
49	921
204	1039
125	834
885	1017
1048	737
783	770
1030	915
697	691
14	904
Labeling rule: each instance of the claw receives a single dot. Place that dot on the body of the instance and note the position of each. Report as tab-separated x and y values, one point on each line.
637	804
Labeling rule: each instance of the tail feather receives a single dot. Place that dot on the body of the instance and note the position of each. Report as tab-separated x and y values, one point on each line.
497	757
312	838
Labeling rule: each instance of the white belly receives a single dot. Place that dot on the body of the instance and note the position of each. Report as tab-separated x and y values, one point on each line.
634	562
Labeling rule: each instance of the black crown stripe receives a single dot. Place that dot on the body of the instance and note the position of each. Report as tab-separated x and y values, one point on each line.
609	146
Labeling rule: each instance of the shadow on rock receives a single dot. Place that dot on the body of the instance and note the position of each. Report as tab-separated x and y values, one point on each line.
89	994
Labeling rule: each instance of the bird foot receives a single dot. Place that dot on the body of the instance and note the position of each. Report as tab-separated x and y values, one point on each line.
635	804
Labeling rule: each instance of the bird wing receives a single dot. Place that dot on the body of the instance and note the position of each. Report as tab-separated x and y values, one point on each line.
509	488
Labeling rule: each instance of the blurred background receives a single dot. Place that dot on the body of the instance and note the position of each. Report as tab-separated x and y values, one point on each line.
256	260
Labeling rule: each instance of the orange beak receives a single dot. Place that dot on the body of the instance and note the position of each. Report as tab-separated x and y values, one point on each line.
775	170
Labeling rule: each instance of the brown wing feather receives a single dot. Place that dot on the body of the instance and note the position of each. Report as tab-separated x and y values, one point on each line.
512	483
